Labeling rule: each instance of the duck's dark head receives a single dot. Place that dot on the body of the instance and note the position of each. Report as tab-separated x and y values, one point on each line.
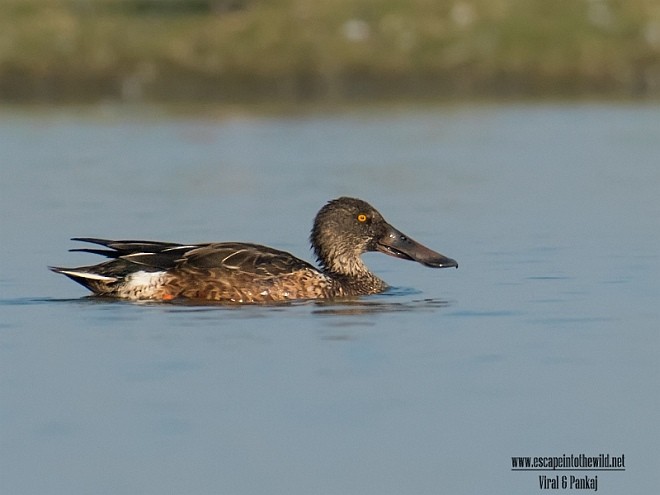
347	227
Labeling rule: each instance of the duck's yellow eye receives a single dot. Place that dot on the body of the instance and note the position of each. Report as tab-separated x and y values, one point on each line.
362	218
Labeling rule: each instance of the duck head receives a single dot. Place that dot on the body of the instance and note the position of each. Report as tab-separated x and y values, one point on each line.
347	227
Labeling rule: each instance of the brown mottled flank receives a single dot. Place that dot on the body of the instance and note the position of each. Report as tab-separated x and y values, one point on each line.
251	273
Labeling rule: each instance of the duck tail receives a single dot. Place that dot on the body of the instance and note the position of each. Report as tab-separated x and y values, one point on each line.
88	277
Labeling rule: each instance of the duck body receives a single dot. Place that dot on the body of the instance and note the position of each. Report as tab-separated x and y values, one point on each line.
251	273
228	271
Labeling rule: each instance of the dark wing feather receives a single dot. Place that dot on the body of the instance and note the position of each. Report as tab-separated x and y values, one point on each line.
244	258
124	247
231	257
148	254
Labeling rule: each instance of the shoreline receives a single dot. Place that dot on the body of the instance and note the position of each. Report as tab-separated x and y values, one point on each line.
335	52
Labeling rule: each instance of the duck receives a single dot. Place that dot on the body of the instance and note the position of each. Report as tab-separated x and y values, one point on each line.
241	272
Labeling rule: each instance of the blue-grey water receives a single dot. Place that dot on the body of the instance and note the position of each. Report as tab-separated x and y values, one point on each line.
544	342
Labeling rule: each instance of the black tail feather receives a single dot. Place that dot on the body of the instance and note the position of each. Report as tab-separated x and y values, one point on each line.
128	256
103	252
124	247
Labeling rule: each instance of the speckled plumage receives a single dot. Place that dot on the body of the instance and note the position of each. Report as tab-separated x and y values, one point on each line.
248	273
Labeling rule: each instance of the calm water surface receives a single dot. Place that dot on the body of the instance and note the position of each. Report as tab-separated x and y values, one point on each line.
544	342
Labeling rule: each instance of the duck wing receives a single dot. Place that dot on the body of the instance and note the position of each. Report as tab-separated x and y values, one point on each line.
235	258
239	258
150	255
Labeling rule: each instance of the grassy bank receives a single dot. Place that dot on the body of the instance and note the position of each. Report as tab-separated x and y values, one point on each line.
326	50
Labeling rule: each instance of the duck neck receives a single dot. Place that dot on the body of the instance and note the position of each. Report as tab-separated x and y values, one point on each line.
352	275
343	264
346	265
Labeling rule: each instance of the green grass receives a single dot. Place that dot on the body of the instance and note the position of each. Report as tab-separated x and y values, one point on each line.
327	50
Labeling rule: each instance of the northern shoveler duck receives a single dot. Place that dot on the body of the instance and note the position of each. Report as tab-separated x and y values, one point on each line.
244	273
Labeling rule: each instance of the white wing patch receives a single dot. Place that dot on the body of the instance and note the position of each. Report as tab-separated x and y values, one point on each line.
181	248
